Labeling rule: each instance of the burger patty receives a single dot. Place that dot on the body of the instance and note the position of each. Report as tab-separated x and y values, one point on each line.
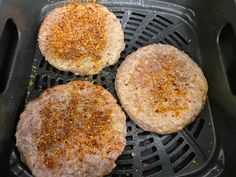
76	129
82	38
161	88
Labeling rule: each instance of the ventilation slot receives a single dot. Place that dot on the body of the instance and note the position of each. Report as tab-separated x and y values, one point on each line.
184	163
138	14
135	19
179	154
146	142
147	34
45	82
124	166
143	134
125	157
129	129
152	171
133	24
155	26
175	40
148	151
150	161
164	19
154	31
52	82
8	44
129	138
42	63
130	29
199	128
60	81
227	44
167	41
190	126
119	14
37	82
160	23
182	39
174	146
169	138
129	147
139	43
122	175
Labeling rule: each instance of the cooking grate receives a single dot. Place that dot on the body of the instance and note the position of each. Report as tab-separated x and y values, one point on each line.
146	154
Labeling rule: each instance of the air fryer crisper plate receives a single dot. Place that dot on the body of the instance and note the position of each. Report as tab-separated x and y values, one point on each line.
189	152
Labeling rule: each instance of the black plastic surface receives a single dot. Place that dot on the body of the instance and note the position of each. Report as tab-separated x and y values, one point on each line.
193	151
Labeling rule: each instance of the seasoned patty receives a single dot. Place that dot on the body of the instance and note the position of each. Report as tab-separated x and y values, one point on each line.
71	130
81	38
161	88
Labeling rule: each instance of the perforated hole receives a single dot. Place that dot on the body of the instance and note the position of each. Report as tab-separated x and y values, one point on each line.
181	38
150	161
190	126
174	146
146	142
135	19
42	63
168	41
59	81
52	82
152	171
129	129
175	40
130	29
123	167
143	38
125	157
45	80
143	134
148	151
129	147
199	128
122	175
147	34
154	31
133	24
160	23
179	154
128	33
37	82
169	138
184	162
138	14
155	26
139	43
129	138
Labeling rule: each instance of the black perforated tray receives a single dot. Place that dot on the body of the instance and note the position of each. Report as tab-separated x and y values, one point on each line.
190	152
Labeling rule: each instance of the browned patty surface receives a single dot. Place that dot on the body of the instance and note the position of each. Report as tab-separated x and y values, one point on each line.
76	129
161	88
81	37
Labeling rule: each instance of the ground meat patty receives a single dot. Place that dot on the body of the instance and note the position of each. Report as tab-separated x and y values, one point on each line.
81	38
161	88
76	129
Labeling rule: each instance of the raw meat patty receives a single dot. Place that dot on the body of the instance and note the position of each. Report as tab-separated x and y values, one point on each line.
161	88
82	38
71	130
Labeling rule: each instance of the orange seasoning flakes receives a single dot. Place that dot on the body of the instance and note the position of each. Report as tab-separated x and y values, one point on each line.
78	128
78	32
166	87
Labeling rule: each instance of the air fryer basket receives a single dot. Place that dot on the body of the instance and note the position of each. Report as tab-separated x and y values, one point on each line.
193	151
